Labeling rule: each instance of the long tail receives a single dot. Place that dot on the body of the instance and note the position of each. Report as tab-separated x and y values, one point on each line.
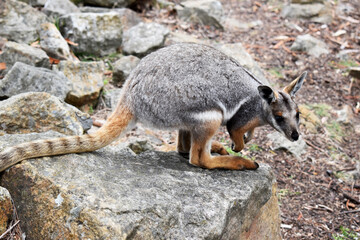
114	126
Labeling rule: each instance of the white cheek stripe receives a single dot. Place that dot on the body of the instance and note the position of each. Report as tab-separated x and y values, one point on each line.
208	115
228	114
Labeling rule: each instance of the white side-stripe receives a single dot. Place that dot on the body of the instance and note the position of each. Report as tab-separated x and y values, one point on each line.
208	115
229	113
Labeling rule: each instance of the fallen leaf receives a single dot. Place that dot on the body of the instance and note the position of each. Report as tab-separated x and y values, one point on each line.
54	60
71	42
2	66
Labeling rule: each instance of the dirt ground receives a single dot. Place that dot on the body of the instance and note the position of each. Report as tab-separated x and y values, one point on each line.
317	193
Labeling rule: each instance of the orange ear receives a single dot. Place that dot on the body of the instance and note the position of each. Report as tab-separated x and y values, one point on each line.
295	85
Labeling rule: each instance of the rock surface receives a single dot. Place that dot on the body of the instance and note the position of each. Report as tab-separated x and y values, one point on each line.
112	194
206	12
123	67
19	52
41	112
309	44
19	21
6	209
52	42
57	8
25	78
144	38
129	18
35	3
95	33
86	78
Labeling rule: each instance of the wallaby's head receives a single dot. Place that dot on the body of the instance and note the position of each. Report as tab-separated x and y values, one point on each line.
280	109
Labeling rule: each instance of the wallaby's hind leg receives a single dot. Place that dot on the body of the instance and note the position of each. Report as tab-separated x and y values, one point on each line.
200	151
184	145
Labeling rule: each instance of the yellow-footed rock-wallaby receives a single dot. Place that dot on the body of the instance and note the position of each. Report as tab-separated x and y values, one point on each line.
194	89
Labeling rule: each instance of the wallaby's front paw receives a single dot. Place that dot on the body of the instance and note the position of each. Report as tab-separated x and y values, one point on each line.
217	147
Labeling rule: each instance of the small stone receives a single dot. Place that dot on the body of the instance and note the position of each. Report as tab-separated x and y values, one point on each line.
309	44
41	112
123	67
53	43
315	12
144	38
279	141
25	78
86	78
345	115
140	146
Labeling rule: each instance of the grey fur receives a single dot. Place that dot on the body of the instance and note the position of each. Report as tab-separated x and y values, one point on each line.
172	84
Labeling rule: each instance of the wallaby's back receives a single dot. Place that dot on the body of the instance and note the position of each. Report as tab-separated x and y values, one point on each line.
172	84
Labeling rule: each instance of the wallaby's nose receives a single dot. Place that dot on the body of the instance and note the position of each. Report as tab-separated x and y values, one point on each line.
295	135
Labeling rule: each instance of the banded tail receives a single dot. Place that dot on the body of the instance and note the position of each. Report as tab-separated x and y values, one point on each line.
114	126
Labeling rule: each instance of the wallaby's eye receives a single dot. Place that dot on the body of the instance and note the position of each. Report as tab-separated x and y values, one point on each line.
279	118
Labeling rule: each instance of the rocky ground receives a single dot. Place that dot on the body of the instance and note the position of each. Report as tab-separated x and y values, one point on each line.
318	185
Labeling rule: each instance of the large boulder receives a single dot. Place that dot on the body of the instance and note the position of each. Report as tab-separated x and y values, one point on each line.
144	38
25	78
19	22
41	112
95	33
86	78
19	52
206	12
114	194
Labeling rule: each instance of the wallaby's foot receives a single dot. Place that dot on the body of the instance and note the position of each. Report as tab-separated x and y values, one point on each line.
225	162
217	147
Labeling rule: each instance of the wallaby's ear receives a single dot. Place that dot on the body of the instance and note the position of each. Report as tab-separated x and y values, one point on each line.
295	85
267	93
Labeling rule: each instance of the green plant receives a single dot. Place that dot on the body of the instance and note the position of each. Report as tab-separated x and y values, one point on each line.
346	234
254	148
320	109
239	154
276	72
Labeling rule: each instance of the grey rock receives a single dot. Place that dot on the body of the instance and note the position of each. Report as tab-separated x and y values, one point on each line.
109	3
206	12
129	18
86	78
345	115
309	44
19	52
6	209
345	54
35	3
112	194
19	22
113	97
25	78
41	112
144	38
279	141
315	12
123	67
58	8
234	24
52	42
238	52
140	146
95	33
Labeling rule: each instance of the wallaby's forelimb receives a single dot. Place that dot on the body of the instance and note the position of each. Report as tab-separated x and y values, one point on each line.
113	127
